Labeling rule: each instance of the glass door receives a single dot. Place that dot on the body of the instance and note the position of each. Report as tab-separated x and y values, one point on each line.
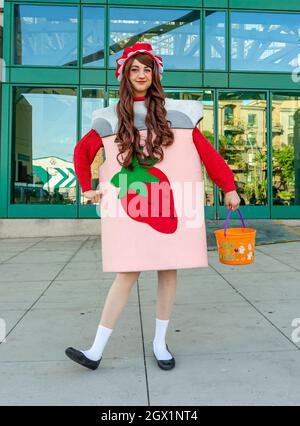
285	155
242	141
92	99
42	182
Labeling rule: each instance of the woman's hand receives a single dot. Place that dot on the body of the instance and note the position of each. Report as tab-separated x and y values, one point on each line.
232	200
93	195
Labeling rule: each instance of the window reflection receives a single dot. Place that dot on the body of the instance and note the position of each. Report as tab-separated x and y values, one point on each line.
286	149
45	35
174	34
242	142
92	99
93	37
44	131
113	96
265	41
215	40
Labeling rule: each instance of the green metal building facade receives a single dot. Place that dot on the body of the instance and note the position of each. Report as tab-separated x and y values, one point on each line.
241	58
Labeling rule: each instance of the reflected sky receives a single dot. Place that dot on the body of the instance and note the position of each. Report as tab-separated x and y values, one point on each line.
45	35
53	124
265	41
175	34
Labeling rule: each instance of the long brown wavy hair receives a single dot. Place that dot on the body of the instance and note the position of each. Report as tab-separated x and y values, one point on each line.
128	137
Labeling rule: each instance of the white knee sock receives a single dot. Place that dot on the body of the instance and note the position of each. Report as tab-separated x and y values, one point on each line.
159	344
102	336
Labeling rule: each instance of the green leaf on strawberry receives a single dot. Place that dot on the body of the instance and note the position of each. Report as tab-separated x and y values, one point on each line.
135	179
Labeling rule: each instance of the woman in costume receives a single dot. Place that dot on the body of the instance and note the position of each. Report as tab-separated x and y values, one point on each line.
151	192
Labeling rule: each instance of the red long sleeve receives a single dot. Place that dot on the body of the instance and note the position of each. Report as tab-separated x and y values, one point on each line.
84	154
217	169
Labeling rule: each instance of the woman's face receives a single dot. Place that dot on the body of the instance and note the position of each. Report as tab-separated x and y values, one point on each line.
140	77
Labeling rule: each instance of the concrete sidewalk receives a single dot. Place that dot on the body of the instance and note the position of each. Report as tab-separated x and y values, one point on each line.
230	331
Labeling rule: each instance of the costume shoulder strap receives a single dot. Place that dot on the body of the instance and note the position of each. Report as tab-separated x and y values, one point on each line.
184	113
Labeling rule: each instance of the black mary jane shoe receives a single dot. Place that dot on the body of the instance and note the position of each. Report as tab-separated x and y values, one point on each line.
79	357
165	364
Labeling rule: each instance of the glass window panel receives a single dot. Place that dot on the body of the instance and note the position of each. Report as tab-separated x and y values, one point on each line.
286	149
173	34
93	37
251	120
113	96
242	143
45	35
44	131
291	121
215	40
92	99
265	41
228	113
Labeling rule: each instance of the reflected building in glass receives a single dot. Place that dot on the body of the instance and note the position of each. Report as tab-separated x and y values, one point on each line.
58	66
242	139
286	149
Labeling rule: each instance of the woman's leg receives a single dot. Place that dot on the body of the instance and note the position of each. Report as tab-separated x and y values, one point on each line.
117	298
115	302
166	291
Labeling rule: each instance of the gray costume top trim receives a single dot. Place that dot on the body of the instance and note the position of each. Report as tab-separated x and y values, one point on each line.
183	114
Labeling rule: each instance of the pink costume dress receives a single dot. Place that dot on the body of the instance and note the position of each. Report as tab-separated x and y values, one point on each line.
152	218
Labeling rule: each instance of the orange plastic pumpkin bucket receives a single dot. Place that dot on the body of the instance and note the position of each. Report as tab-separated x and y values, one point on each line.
235	245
